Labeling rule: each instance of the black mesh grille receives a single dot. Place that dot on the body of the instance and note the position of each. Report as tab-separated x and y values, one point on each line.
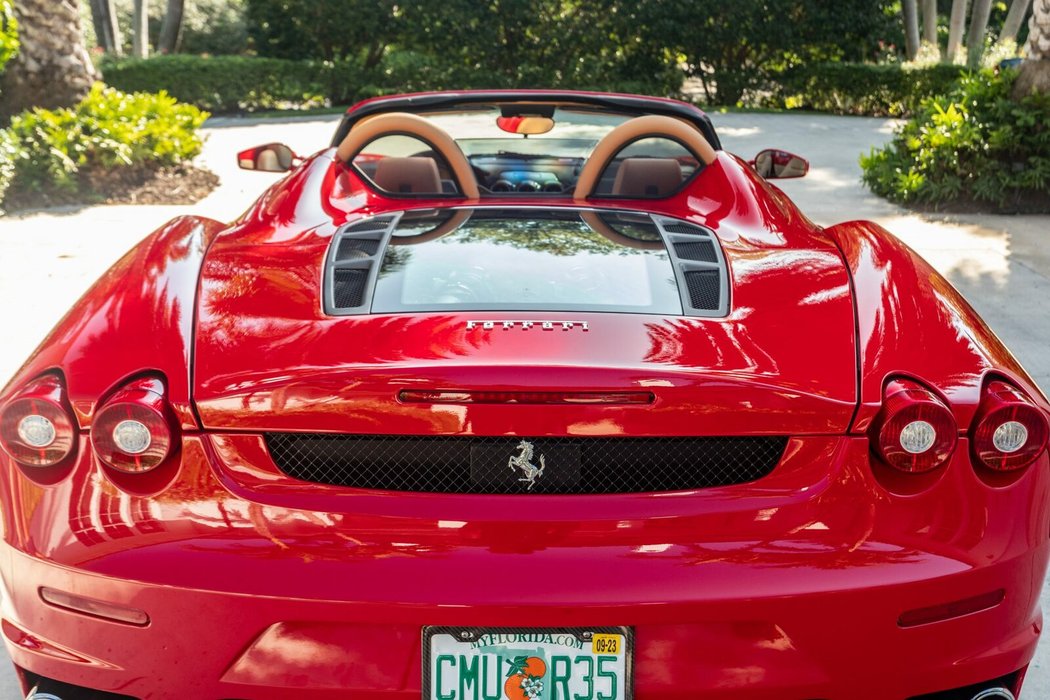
349	287
699	250
380	223
354	248
484	464
684	228
703	289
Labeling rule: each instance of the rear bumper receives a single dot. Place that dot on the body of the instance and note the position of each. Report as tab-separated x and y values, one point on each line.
788	588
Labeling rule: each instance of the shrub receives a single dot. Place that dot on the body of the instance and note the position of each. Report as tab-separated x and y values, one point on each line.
226	83
8	33
8	153
858	88
108	131
975	145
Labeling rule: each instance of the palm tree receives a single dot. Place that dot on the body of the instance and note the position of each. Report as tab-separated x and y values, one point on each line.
140	30
911	28
1014	19
52	68
929	22
170	28
1035	71
982	11
107	31
956	27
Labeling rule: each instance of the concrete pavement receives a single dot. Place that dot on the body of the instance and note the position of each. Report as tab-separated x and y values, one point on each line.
1000	263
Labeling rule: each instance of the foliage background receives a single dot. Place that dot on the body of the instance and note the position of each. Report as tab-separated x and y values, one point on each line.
974	146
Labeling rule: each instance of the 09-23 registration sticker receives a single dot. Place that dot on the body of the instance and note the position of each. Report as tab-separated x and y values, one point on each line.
527	664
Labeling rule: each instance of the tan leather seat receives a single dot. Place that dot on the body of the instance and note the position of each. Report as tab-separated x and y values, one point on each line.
647	177
648	126
412	175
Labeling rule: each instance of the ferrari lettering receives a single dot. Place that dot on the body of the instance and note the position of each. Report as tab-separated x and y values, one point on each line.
527	325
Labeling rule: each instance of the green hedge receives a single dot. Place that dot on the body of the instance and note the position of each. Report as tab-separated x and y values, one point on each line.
858	88
974	148
232	83
239	83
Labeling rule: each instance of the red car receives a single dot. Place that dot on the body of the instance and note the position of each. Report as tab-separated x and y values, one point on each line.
522	396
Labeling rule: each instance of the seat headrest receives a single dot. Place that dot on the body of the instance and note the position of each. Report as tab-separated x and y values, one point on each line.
647	177
412	175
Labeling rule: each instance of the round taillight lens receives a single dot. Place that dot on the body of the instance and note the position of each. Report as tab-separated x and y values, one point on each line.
36	427
1009	432
132	432
915	431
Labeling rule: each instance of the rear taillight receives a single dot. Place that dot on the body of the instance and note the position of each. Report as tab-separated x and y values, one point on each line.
915	432
36	426
133	431
1009	431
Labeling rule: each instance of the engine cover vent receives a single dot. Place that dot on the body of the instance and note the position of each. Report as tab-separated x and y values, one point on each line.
353	263
699	266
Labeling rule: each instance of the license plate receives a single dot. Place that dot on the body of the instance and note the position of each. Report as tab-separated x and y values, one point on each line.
462	663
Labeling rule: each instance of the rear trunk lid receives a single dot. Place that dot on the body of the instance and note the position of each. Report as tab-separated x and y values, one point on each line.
781	362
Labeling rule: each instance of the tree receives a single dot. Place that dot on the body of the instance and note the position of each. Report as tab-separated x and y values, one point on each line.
911	28
1014	19
956	28
982	11
170	27
929	22
736	47
107	31
140	30
1035	71
358	30
52	68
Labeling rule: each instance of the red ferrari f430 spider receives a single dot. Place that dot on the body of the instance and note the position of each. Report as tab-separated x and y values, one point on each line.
519	395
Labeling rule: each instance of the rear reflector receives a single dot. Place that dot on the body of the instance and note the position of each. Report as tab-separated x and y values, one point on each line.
95	608
946	611
527	397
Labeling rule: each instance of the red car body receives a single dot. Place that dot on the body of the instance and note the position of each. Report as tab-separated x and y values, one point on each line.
834	577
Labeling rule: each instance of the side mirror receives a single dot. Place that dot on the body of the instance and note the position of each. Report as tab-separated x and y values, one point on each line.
779	165
269	158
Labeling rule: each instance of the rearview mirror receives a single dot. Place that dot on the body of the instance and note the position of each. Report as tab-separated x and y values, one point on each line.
269	158
779	165
525	125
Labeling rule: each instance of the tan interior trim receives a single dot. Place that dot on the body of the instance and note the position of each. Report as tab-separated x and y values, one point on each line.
598	225
364	132
453	222
651	125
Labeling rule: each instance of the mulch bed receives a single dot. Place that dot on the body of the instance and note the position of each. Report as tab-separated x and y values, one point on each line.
1027	202
184	185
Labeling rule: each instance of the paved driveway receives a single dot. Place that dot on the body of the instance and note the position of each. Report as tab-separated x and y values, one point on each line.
1000	263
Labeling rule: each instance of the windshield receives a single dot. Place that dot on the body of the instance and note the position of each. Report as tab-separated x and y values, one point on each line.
527	260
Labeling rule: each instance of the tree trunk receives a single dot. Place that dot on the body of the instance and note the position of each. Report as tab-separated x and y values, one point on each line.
1014	19
929	22
52	68
170	27
107	31
1035	71
956	28
140	30
911	28
982	11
